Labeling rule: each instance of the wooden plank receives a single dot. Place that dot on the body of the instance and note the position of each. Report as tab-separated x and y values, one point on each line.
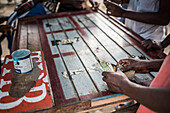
63	48
83	19
55	26
154	73
83	83
34	43
112	47
111	99
67	87
16	38
51	42
45	25
89	61
23	35
65	23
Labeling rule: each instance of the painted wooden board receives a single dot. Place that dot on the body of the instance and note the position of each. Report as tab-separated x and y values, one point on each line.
39	97
74	70
73	56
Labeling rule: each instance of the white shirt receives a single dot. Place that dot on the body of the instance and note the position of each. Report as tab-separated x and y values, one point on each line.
147	31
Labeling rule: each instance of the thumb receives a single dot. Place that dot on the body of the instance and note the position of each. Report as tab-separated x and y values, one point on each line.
127	68
119	70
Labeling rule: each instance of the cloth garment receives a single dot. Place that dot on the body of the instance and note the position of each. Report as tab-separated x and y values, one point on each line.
147	31
161	80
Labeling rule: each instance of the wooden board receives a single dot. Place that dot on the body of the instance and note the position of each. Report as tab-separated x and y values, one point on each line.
39	97
74	69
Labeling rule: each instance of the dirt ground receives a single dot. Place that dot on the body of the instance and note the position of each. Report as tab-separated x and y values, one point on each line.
6	9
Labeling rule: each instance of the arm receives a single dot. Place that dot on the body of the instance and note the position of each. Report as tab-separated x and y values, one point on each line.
3	19
5	28
154	98
162	17
150	44
141	66
75	3
165	42
24	7
121	1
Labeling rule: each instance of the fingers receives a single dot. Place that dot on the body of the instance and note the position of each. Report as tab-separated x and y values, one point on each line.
105	76
124	62
119	70
147	44
5	28
127	68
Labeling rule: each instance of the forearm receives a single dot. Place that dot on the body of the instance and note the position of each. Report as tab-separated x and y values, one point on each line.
154	98
66	1
124	1
37	1
153	65
148	17
166	42
120	1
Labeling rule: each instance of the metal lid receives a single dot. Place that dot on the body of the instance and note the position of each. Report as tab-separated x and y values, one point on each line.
21	53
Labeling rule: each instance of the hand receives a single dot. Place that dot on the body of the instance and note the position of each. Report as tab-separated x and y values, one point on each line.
116	81
21	9
3	19
75	3
114	9
5	28
139	66
149	44
116	1
95	3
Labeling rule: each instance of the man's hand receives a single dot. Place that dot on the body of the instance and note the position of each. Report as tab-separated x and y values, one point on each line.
22	8
114	9
75	3
140	66
151	45
5	28
3	19
116	81
116	1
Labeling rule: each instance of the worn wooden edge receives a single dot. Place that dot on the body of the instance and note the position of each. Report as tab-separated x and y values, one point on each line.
15	42
113	99
51	92
87	106
54	15
69	108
